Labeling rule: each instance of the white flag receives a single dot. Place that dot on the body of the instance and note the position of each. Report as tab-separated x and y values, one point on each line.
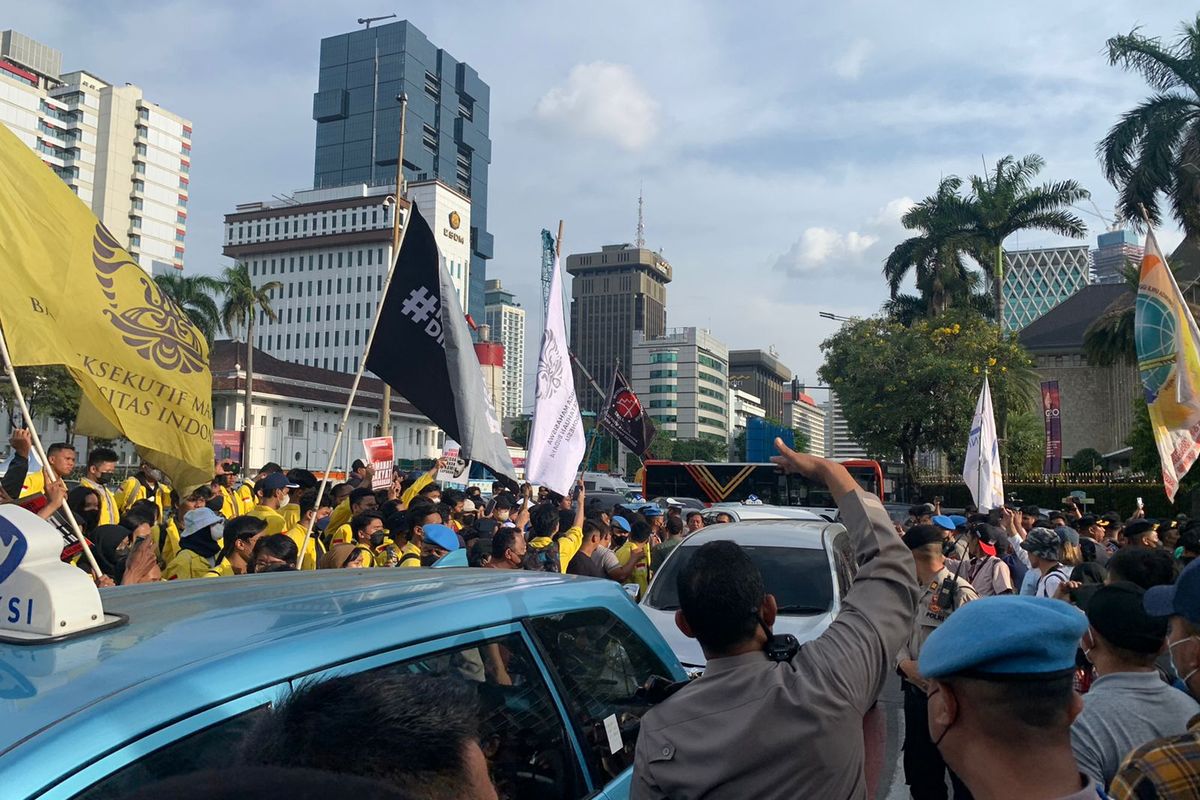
556	443
981	472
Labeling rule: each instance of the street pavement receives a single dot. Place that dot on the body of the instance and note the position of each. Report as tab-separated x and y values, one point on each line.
891	781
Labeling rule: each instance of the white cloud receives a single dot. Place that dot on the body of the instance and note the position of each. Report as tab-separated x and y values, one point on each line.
818	246
605	101
890	214
849	65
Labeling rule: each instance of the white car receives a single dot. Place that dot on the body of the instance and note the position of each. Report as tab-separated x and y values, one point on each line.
808	564
746	512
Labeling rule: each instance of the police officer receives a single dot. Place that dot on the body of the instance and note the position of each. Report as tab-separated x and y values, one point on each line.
771	719
1001	698
942	593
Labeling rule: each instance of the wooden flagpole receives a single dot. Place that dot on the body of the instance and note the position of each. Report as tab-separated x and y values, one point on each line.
41	454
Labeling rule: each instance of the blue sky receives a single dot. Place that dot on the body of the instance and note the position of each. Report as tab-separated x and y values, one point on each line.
777	142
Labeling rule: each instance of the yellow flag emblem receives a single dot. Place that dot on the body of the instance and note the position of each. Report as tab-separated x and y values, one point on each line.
73	296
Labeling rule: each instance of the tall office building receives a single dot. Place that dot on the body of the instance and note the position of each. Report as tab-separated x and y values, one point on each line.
506	319
839	443
126	157
680	378
616	293
1035	281
1115	252
330	249
357	112
801	413
762	374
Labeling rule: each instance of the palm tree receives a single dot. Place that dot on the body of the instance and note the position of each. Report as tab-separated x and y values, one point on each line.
934	256
1109	339
194	296
1155	147
908	308
243	301
1004	202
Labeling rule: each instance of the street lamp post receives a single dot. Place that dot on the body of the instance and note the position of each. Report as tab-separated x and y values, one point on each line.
835	317
307	434
385	410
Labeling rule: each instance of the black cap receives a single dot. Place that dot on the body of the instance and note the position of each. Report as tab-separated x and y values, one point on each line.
1138	527
1085	522
921	535
988	534
1116	612
358	464
921	510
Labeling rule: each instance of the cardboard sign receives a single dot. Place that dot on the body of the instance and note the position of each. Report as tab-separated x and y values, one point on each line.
381	455
454	470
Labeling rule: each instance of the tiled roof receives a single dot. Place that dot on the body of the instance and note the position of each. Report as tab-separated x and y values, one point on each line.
1062	327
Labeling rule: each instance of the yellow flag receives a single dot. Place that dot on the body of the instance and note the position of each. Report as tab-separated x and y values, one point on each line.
73	296
1168	350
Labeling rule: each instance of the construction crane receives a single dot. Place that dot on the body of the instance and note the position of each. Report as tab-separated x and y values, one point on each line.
368	20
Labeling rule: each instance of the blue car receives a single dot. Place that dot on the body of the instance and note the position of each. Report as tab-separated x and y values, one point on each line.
176	688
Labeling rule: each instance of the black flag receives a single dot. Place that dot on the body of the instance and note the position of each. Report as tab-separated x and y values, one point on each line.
423	350
625	418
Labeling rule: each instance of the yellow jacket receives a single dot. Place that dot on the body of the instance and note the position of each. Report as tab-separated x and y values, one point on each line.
109	510
419	484
339	516
233	503
223	569
568	545
187	564
168	542
291	515
641	573
296	534
342	534
407	553
274	519
133	490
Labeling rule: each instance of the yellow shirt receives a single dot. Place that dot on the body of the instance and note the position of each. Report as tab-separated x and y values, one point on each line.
233	504
641	573
568	545
419	484
245	493
342	534
273	519
186	564
296	534
408	550
35	483
133	490
291	515
109	513
223	569
169	543
339	516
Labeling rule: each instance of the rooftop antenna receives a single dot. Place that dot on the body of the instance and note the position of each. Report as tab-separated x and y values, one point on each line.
641	226
368	20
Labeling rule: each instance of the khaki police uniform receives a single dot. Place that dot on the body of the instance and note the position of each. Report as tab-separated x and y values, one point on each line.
924	769
755	728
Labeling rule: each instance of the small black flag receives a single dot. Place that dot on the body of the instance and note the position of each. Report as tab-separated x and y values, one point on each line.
423	350
625	418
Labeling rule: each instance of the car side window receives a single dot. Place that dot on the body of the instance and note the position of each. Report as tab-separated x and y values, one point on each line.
601	664
209	748
843	557
522	732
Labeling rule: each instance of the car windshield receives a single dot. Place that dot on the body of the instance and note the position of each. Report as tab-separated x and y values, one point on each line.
798	577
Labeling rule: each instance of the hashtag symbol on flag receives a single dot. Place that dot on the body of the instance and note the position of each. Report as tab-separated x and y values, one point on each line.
419	305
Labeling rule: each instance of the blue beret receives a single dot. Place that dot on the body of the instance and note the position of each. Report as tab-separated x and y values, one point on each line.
1005	635
959	520
622	523
942	521
441	535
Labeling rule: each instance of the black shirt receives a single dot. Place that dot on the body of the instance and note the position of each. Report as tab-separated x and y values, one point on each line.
583	564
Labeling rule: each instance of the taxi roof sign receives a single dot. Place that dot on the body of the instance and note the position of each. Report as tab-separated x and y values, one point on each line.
41	598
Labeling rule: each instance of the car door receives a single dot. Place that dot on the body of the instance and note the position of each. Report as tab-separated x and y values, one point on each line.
599	665
205	740
531	751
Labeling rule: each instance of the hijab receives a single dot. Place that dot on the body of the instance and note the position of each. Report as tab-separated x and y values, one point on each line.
106	541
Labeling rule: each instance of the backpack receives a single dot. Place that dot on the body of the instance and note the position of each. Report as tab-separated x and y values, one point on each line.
1087	549
542	559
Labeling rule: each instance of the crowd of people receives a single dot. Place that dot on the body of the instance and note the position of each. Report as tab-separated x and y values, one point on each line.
1072	634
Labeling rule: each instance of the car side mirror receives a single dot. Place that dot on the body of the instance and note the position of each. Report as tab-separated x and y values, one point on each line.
631	589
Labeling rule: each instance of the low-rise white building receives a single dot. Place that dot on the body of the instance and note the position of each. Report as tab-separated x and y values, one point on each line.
801	413
681	378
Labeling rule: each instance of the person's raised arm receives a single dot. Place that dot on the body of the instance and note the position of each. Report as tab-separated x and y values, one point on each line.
526	502
580	496
18	467
851	658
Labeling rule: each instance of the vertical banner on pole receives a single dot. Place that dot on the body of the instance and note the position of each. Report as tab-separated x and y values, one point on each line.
1051	408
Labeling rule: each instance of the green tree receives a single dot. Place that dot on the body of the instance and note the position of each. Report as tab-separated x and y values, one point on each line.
904	389
803	442
1025	448
49	392
520	431
908	308
1155	146
934	257
739	446
194	296
1088	459
242	302
1109	339
699	450
1005	201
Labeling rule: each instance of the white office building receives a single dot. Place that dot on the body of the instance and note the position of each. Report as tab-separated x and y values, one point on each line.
330	250
801	413
504	315
743	406
839	443
126	157
682	380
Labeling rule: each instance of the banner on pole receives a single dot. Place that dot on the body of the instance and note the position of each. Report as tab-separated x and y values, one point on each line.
625	417
381	455
227	446
1168	353
1051	408
981	470
453	468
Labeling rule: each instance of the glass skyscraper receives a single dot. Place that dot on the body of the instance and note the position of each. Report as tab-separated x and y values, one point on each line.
358	123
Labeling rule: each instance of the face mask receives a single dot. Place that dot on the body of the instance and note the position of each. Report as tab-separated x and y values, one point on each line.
90	519
285	500
104	478
1171	655
217	530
